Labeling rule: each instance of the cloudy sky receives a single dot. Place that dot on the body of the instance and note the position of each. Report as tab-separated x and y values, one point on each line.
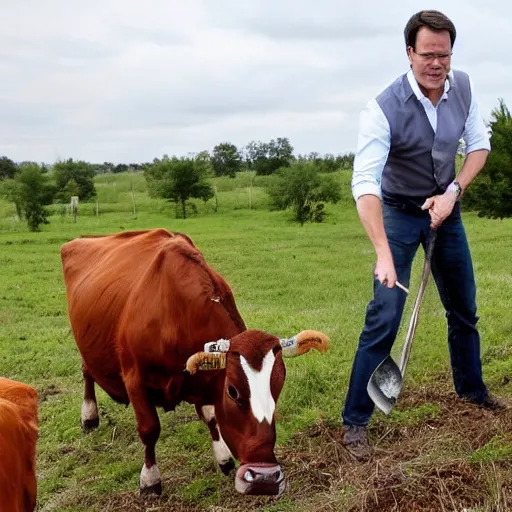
127	81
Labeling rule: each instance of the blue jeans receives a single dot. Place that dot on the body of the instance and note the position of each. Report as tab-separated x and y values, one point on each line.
452	270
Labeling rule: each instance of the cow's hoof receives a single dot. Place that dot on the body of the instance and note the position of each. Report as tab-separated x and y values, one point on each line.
88	425
151	490
227	467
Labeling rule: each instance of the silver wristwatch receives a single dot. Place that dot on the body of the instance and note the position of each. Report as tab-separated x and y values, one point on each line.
455	187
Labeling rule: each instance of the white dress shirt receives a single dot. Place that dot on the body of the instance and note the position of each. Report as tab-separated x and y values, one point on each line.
374	138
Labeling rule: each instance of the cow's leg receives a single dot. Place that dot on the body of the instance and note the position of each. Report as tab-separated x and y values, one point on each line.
148	426
89	417
221	451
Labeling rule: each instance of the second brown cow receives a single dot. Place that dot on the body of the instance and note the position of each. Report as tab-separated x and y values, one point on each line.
19	431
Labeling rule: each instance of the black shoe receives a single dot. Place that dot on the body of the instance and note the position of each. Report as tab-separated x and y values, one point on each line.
491	403
356	443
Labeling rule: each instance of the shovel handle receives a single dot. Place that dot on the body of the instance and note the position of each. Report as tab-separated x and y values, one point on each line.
402	287
406	350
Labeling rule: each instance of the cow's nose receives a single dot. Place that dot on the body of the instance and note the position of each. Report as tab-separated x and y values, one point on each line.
252	476
260	479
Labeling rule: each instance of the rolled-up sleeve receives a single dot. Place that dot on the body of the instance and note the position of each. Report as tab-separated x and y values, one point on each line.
373	145
476	134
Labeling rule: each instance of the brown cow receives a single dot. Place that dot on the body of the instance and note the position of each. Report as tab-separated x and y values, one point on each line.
149	317
18	439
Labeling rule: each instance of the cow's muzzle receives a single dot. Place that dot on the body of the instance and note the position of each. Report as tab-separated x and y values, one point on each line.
260	479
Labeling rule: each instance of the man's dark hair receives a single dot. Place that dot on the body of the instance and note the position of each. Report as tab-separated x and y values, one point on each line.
434	20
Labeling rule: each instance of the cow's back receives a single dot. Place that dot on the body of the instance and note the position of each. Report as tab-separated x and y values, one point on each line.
178	303
18	439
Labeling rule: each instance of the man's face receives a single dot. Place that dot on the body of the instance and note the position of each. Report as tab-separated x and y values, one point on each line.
430	60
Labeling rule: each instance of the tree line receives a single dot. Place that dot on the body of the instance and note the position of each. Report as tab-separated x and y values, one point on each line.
226	159
302	183
32	186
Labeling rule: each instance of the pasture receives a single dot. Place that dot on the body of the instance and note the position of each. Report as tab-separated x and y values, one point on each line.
433	451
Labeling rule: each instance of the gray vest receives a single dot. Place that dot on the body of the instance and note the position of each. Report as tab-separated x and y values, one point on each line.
420	162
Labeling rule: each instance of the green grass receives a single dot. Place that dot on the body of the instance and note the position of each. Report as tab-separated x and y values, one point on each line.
497	449
285	278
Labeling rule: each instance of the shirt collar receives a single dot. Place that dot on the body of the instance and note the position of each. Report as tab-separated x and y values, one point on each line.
416	88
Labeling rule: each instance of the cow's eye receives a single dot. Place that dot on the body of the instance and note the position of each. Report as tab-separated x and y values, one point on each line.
233	393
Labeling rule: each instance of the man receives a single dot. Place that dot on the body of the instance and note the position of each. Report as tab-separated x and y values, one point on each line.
404	184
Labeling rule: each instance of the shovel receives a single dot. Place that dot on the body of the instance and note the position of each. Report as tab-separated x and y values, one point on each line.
386	381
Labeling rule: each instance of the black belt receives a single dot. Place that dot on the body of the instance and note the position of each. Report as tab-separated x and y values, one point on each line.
408	204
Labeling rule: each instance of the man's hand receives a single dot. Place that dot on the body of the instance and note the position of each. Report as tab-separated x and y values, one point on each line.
385	272
440	207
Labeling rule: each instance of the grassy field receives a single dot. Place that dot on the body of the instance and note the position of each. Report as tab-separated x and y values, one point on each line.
433	452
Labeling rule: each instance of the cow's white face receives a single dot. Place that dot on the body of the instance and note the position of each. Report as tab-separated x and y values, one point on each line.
262	403
246	399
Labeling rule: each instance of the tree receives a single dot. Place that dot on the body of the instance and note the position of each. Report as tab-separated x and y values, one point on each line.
256	156
81	173
267	157
9	191
179	179
280	152
345	161
203	164
302	188
329	163
32	190
491	192
226	160
120	168
8	168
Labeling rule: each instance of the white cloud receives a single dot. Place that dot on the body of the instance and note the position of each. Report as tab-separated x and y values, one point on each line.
127	81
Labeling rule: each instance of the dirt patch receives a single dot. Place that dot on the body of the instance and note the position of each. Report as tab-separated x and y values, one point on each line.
47	391
421	467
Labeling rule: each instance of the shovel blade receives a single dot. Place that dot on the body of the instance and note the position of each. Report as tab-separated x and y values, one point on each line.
385	385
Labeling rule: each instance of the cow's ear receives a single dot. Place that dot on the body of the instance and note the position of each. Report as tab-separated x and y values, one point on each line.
304	342
206	361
